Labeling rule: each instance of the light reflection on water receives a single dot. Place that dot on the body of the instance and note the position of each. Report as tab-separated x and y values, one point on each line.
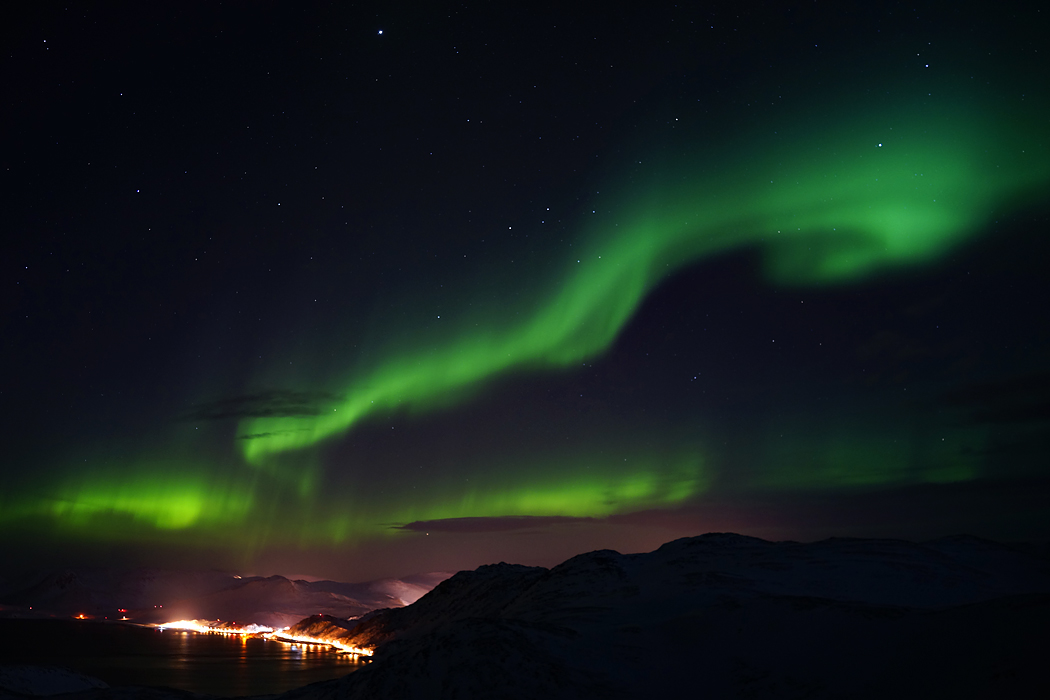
206	663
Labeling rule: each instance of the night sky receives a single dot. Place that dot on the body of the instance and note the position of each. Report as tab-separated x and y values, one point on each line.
362	290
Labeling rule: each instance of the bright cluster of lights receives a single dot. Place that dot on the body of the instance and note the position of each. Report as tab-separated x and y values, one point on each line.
206	628
283	636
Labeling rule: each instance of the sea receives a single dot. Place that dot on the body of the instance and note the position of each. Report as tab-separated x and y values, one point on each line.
121	655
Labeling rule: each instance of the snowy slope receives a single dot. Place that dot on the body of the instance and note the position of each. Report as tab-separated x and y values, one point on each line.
722	616
717	616
482	592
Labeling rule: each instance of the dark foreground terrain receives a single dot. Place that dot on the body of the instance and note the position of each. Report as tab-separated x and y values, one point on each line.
720	615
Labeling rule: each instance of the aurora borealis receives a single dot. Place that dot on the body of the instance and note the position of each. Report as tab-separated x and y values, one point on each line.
387	303
876	199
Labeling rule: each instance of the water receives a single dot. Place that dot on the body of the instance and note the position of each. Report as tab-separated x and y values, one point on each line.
204	663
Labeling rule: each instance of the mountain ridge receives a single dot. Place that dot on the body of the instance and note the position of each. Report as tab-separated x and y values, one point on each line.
845	617
721	614
160	595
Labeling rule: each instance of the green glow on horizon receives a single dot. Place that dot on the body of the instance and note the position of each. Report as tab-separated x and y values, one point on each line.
172	499
125	504
844	198
183	502
155	501
839	458
570	487
165	503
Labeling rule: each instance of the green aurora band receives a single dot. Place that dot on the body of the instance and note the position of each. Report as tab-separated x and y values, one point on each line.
839	201
826	200
126	503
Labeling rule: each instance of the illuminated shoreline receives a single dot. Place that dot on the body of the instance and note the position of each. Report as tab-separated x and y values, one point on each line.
278	635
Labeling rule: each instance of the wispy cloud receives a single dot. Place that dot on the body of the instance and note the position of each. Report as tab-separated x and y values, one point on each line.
495	524
1018	399
277	403
272	433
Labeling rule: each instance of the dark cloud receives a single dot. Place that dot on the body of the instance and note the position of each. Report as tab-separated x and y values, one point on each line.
496	524
277	403
1019	399
256	436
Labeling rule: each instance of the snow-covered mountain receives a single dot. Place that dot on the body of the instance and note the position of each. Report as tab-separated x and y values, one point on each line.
402	591
158	595
720	615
